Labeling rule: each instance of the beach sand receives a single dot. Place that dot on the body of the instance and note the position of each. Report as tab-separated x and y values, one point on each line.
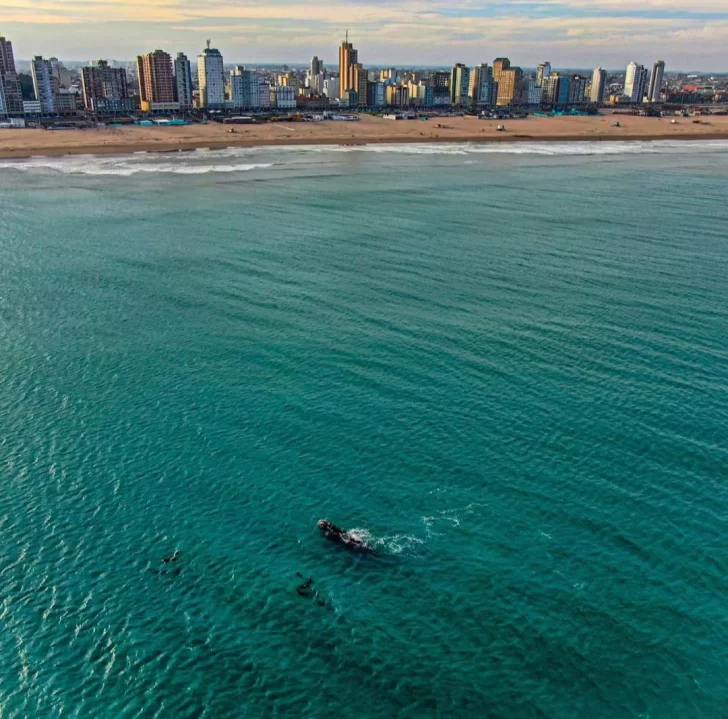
119	140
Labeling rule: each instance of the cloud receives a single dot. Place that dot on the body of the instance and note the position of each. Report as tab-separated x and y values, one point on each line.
569	32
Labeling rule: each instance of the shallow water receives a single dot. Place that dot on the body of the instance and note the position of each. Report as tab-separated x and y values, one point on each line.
507	366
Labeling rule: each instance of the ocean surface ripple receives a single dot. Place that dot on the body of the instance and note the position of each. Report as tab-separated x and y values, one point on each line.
506	367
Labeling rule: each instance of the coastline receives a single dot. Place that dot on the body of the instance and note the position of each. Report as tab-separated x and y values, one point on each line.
25	144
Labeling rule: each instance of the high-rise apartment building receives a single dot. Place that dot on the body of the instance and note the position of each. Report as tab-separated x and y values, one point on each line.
543	71
658	72
397	95
331	87
509	86
61	74
12	95
244	88
634	80
459	84
481	85
317	67
156	81
577	90
551	88
598	86
359	82
3	106
348	56
211	78
183	81
105	89
43	84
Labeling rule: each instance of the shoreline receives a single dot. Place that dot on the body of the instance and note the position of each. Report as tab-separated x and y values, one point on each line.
177	147
23	144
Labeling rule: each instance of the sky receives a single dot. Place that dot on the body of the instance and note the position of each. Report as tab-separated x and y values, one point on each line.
687	34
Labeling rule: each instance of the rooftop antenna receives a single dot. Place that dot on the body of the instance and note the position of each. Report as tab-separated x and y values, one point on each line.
347	36
208	43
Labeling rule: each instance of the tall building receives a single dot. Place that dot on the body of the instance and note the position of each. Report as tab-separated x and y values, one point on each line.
317	67
376	94
598	86
359	82
105	89
459	84
348	56
634	82
244	88
577	90
658	72
543	71
61	74
331	87
533	92
551	87
156	81
211	78
509	86
42	73
481	85
183	81
3	106
12	95
499	65
397	95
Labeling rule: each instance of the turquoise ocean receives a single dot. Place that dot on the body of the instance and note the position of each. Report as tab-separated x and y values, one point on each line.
505	365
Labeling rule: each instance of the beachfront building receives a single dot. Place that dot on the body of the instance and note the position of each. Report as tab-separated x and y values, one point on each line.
634	82
397	95
480	91
655	89
156	82
244	88
331	87
283	97
105	89
43	84
598	86
12	95
376	94
211	78
183	81
577	90
348	57
459	84
61	74
3	106
542	72
509	81
533	92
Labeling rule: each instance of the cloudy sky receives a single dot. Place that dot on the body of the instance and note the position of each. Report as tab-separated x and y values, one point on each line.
688	34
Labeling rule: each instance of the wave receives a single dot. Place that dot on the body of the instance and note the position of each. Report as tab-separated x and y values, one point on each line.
128	165
390	544
247	159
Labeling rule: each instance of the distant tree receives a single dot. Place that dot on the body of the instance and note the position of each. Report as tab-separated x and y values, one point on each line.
26	86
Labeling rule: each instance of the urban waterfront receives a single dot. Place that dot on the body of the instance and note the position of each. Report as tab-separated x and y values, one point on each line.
510	377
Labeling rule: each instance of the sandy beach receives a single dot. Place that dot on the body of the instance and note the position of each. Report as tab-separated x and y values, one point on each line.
119	140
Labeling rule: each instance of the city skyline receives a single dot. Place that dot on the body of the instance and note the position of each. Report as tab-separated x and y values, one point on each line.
573	33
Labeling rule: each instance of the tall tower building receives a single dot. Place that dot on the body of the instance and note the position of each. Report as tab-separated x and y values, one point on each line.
509	82
211	78
459	84
658	72
481	85
634	82
598	86
348	56
543	71
183	81
360	82
12	95
43	84
317	66
105	89
156	80
3	106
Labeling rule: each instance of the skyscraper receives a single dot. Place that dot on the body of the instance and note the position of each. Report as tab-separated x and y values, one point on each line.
61	74
183	81
509	85
577	90
13	97
105	89
348	56
658	72
156	80
244	88
543	71
3	107
43	84
598	86
317	66
459	84
211	78
359	82
634	82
